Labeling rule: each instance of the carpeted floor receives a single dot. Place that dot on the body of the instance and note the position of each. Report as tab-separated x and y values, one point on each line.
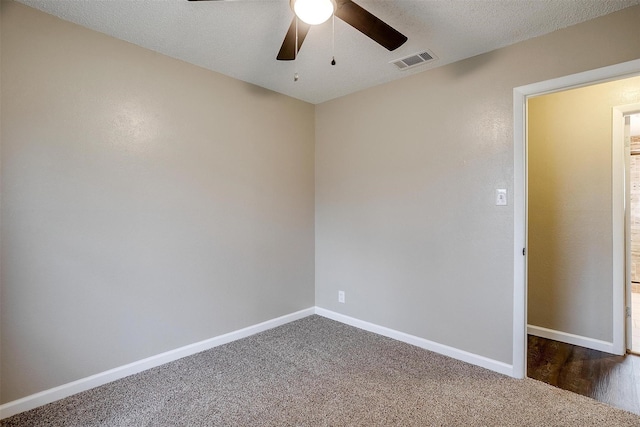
317	372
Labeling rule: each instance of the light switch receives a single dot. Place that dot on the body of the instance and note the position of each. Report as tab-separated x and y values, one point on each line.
501	197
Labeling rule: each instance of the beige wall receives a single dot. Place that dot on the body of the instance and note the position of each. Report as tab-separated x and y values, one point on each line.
147	203
570	260
406	173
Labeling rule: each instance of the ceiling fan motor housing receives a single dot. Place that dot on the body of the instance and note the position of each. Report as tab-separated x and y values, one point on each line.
349	12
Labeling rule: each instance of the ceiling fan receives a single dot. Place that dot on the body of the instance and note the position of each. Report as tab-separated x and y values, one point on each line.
348	11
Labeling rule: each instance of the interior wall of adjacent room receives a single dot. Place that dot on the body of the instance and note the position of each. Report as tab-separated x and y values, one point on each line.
570	263
406	177
147	203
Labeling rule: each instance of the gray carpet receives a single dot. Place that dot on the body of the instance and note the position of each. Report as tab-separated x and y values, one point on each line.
317	372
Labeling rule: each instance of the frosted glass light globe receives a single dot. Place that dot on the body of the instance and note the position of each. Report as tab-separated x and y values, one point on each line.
313	12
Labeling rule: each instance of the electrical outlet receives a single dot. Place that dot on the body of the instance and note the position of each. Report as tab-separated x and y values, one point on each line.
341	296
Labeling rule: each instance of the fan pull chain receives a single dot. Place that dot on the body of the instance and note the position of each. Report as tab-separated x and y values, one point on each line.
295	53
333	39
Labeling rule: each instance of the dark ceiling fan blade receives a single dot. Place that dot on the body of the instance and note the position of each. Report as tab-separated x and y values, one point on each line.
369	25
288	49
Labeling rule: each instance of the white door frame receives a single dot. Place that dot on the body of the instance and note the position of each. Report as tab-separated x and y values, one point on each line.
621	192
520	95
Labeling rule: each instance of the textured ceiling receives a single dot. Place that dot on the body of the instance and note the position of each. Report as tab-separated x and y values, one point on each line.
241	38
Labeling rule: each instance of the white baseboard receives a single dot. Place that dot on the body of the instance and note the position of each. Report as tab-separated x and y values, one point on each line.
445	350
568	338
65	390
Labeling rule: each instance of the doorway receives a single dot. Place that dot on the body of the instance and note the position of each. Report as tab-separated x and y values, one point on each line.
575	214
521	95
573	234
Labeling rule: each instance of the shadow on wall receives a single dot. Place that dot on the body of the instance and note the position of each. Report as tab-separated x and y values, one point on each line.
462	69
256	90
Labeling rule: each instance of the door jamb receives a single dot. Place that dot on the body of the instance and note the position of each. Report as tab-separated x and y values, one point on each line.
621	227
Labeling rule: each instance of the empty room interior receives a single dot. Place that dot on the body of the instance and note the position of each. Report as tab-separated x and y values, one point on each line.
201	227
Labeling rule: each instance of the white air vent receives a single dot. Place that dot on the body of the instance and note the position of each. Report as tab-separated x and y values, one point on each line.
414	60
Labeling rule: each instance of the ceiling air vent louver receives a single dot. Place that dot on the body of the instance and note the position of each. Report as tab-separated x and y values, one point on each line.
413	60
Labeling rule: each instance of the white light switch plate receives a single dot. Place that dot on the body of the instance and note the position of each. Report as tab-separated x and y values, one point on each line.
501	197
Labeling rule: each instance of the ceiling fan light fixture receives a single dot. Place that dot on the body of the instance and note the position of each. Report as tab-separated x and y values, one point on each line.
313	12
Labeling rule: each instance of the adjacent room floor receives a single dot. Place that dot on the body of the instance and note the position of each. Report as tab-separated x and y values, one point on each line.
611	379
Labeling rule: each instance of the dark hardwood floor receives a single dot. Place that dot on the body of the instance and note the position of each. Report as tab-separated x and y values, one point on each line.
611	379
